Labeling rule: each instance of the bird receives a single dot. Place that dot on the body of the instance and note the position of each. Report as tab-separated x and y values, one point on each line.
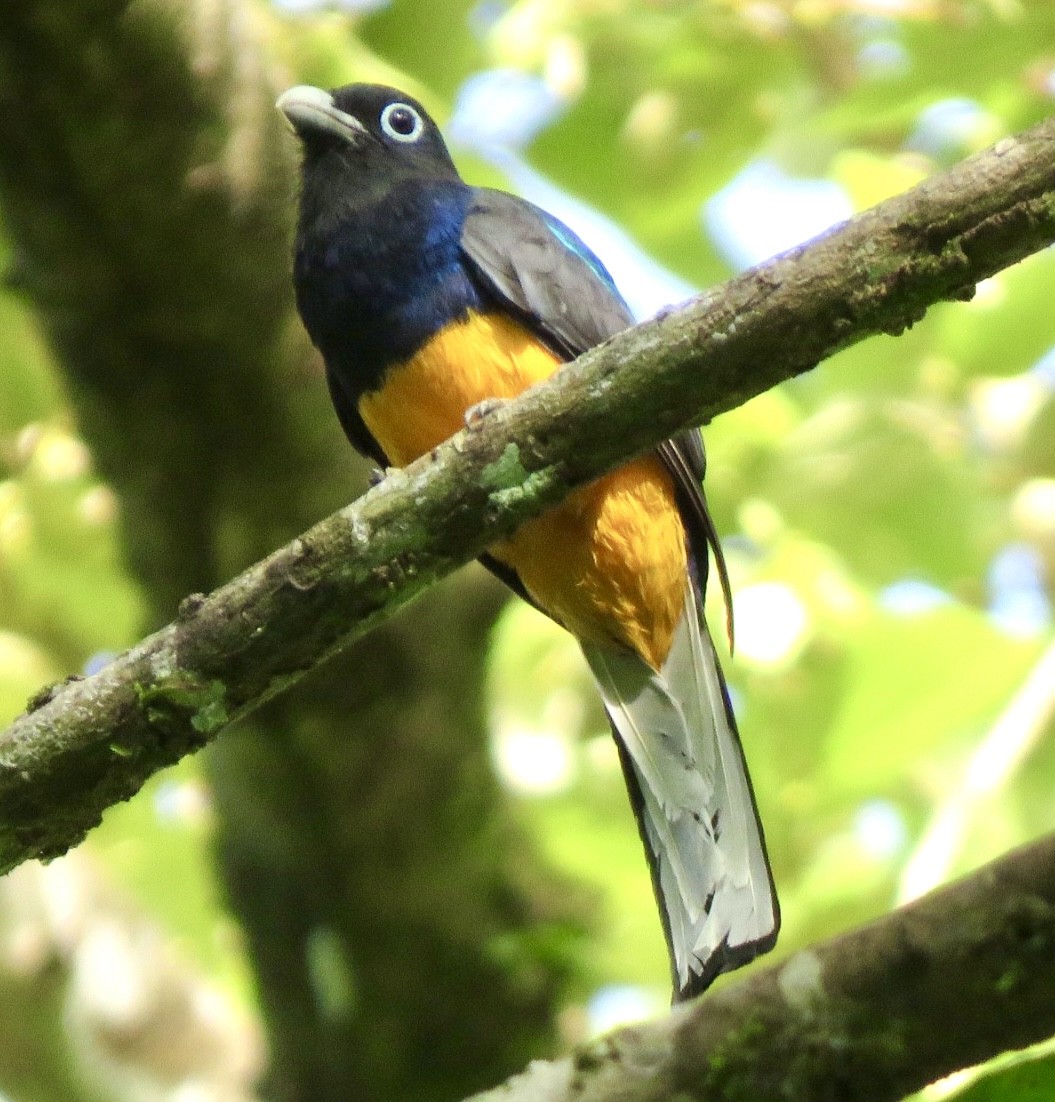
430	300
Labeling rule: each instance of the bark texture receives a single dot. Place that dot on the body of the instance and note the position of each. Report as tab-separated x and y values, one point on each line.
951	980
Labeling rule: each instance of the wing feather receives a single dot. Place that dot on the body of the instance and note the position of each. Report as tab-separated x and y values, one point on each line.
540	269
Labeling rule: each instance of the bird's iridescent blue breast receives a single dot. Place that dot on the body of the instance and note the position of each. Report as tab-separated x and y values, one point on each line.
376	287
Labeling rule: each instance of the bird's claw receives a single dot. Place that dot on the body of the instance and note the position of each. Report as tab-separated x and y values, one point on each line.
376	476
476	413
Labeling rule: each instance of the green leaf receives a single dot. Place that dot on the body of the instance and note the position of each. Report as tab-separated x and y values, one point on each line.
917	688
1025	1079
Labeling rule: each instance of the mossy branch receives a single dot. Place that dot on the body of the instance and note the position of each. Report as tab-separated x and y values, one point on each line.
88	743
956	977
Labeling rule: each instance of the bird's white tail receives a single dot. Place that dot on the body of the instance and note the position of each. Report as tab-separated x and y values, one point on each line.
690	789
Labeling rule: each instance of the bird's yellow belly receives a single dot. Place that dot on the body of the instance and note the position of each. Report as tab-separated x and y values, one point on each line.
609	562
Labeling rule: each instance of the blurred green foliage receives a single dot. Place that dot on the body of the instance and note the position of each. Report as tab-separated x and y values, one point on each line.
1027	1079
915	459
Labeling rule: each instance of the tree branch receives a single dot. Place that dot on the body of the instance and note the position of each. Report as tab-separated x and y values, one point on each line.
89	743
958	976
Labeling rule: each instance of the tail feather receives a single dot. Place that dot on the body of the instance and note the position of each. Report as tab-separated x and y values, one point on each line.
690	790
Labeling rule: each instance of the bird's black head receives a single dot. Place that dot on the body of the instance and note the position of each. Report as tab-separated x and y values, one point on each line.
370	132
377	260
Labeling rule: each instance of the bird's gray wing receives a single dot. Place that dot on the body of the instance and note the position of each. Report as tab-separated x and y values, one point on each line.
536	266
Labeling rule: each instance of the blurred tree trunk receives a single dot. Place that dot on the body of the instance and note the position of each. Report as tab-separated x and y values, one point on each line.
147	188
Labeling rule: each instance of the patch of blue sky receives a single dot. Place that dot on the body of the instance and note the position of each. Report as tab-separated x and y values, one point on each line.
485	15
912	597
880	829
98	661
616	1005
881	54
948	127
1044	369
883	58
763	211
502	109
1018	601
299	6
1018	596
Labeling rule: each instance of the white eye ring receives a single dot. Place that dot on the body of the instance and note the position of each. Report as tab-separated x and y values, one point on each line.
418	123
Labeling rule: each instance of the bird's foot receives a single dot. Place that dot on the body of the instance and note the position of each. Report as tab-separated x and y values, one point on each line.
475	414
377	475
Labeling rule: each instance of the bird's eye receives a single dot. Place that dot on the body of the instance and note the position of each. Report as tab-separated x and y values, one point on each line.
402	122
